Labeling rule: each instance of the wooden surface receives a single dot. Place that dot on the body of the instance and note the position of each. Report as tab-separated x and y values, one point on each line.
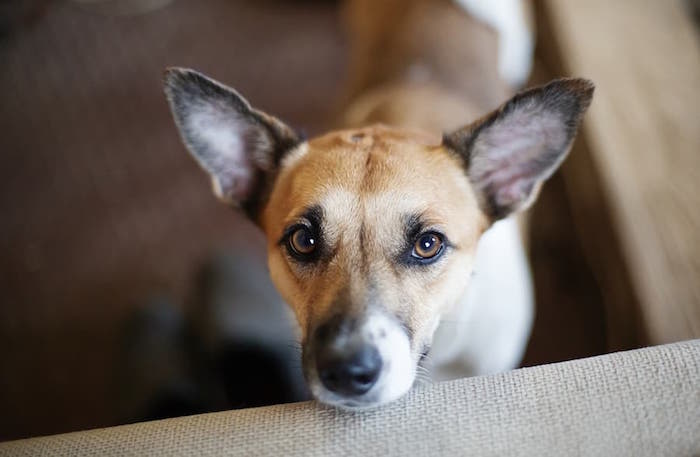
643	132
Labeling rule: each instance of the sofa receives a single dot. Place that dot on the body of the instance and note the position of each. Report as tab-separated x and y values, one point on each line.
644	402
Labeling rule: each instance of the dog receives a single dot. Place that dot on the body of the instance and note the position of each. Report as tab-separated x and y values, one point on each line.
374	231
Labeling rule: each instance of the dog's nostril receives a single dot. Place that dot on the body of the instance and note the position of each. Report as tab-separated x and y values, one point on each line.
364	378
352	373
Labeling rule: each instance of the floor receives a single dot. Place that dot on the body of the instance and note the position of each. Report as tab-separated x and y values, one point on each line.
101	208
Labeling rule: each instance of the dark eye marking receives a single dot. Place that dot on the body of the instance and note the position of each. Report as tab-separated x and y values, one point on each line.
424	244
302	238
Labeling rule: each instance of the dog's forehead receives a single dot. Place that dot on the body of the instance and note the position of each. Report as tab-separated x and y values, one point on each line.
377	136
387	172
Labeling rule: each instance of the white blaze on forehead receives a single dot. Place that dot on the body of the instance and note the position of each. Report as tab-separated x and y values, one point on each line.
342	209
382	212
339	198
343	217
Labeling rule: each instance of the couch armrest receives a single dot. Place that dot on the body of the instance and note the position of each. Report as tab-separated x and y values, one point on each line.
644	402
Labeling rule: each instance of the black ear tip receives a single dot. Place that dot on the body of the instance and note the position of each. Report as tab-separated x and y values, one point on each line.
178	77
580	85
185	83
582	89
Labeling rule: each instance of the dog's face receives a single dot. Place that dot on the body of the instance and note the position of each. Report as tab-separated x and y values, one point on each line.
371	232
369	252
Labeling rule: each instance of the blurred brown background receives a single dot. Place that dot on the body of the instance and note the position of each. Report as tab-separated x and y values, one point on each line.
100	206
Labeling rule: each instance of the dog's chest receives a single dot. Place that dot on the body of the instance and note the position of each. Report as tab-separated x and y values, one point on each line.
488	329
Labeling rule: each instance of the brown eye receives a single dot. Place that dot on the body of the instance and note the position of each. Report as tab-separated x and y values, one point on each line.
302	241
427	246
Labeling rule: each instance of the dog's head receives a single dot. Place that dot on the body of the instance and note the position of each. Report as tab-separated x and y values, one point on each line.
372	232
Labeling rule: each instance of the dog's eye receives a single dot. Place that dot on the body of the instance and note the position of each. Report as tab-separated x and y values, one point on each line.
427	246
302	242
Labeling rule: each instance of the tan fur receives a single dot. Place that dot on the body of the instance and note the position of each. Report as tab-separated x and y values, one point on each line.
366	181
419	63
434	80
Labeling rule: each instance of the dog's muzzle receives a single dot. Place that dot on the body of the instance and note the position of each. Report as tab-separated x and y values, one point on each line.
350	368
361	362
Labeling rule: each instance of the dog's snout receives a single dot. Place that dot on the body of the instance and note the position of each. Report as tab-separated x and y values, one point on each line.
348	371
358	361
347	363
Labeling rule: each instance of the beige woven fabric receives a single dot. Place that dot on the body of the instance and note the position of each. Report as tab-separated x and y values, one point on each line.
637	403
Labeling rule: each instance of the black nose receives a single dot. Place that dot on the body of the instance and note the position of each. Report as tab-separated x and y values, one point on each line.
349	372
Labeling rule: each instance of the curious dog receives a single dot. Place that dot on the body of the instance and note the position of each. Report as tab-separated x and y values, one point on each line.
372	232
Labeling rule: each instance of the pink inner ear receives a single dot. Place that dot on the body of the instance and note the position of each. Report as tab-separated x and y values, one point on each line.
224	136
235	185
513	192
510	156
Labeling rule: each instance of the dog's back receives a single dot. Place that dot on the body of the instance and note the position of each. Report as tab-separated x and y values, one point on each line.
428	64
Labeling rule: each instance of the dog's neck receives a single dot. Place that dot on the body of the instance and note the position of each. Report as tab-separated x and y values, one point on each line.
422	64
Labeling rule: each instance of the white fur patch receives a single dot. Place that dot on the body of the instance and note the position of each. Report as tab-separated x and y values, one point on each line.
398	366
488	331
516	44
292	157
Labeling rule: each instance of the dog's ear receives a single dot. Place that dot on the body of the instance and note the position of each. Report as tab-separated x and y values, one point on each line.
239	146
510	152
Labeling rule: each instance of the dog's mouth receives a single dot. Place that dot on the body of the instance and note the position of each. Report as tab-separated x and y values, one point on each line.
359	364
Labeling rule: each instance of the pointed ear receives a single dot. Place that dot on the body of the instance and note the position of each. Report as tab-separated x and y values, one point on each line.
239	146
510	152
